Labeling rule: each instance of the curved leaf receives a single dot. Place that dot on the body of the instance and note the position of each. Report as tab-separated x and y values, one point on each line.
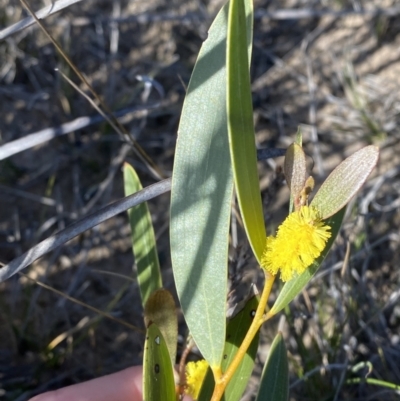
274	385
345	180
158	375
143	239
296	284
241	129
295	169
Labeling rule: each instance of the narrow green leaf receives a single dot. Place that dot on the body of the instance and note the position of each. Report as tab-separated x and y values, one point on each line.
143	239
235	333
343	183
201	198
158	375
241	129
274	384
296	284
160	309
299	137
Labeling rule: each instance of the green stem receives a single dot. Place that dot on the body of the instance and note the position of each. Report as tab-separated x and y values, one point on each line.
375	382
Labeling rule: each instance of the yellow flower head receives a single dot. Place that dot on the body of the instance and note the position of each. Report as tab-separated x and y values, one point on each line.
299	241
195	373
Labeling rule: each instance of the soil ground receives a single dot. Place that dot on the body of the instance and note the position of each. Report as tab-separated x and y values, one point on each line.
333	72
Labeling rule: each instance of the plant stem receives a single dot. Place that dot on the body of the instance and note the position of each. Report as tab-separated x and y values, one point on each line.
258	320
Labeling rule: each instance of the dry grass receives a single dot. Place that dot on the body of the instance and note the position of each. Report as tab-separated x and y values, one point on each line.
337	77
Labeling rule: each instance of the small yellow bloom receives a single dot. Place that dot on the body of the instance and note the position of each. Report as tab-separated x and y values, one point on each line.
299	241
195	373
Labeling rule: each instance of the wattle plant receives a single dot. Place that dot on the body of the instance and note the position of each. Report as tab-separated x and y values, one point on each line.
215	156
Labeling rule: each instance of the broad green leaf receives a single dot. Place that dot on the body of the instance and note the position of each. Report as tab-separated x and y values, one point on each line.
201	197
274	385
143	239
160	309
296	284
158	375
345	180
235	333
241	129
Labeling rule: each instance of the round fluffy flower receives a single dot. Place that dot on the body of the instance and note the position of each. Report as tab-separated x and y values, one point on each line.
299	241
195	373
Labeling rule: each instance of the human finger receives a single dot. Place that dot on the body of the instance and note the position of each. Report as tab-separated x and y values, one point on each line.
125	385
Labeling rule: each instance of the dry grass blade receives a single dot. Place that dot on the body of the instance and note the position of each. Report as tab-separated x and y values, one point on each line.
51	9
84	322
37	138
81	226
27	195
302	13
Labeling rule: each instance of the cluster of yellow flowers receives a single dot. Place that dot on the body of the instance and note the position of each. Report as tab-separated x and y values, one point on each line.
299	241
195	374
